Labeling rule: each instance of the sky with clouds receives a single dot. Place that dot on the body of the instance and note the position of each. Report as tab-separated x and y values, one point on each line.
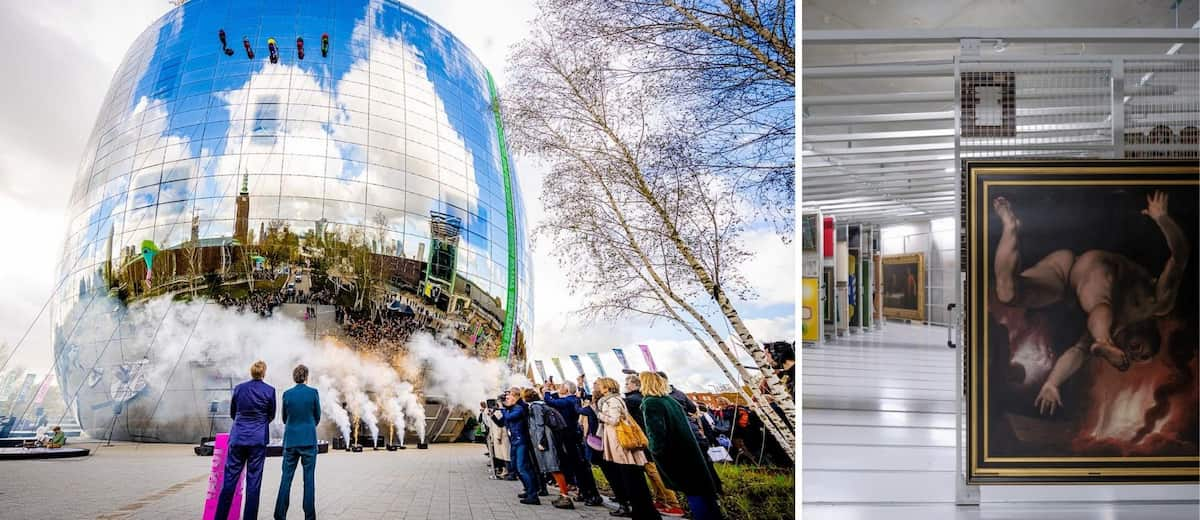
60	59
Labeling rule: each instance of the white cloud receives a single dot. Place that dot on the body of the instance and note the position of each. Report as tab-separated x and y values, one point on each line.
772	269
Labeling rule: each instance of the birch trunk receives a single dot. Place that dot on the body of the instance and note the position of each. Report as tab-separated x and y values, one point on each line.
782	397
757	403
764	410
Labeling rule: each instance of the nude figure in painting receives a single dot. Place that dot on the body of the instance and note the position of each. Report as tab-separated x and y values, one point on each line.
1121	298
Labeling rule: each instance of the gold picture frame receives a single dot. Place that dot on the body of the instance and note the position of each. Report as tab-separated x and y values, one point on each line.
1011	440
903	282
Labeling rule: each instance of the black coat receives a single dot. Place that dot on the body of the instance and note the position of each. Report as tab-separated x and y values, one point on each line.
633	401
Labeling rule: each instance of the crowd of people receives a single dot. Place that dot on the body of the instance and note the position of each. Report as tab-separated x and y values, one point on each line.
648	442
321	297
260	303
384	326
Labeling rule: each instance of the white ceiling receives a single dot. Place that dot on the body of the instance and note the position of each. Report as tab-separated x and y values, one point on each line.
887	155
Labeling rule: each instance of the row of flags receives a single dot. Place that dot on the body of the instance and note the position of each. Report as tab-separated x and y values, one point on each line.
595	357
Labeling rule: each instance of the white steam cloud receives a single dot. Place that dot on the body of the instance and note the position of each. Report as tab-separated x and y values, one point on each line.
225	342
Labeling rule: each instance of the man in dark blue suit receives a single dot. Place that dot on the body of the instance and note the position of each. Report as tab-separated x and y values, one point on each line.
252	409
301	413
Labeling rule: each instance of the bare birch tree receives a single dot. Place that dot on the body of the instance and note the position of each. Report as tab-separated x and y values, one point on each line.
731	63
643	223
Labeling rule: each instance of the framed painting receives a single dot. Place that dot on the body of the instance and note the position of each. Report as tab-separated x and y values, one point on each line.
827	302
810	321
808	233
878	287
1083	322
904	286
864	299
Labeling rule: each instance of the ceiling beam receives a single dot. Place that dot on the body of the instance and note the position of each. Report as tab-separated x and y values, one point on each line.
1070	142
1010	35
886	70
889	98
948	115
884	200
873	175
893	186
831	120
816	161
948	132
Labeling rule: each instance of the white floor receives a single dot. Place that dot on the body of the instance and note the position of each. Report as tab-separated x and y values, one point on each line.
878	430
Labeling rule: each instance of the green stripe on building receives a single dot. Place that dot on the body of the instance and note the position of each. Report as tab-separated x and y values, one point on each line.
510	306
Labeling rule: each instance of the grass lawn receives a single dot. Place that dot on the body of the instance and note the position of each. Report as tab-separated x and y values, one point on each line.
751	493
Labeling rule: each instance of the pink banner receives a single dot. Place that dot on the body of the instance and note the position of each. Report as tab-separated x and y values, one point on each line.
217	478
649	358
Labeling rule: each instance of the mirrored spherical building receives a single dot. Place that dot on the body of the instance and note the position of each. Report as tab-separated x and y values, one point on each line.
343	159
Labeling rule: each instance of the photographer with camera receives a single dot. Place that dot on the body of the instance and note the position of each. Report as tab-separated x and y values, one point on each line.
497	439
515	415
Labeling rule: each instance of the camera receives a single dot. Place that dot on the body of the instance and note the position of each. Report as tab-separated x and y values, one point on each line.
498	402
781	352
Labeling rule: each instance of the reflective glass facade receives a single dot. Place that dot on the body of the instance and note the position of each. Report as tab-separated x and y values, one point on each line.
379	147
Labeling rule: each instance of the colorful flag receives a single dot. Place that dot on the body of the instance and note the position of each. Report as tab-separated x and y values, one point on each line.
541	369
558	365
578	363
621	358
649	358
596	359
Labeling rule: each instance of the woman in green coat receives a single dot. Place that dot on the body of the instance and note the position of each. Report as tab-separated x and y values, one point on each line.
683	466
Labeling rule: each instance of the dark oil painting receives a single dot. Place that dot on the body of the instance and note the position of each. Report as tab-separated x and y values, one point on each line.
1084	334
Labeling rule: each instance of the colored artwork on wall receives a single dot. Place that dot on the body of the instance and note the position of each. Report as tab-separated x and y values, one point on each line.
852	287
864	300
827	286
809	233
810	324
1084	321
904	286
878	300
827	237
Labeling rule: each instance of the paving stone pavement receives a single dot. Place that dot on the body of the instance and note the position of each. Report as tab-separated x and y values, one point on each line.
167	481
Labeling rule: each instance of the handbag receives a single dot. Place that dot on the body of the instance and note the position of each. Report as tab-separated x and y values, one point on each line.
719	454
630	435
595	443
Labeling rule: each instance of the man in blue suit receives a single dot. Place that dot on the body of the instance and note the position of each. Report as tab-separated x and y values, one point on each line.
252	409
301	413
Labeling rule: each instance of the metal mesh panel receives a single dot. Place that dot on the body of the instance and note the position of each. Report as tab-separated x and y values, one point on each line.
1162	108
1050	109
1065	109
